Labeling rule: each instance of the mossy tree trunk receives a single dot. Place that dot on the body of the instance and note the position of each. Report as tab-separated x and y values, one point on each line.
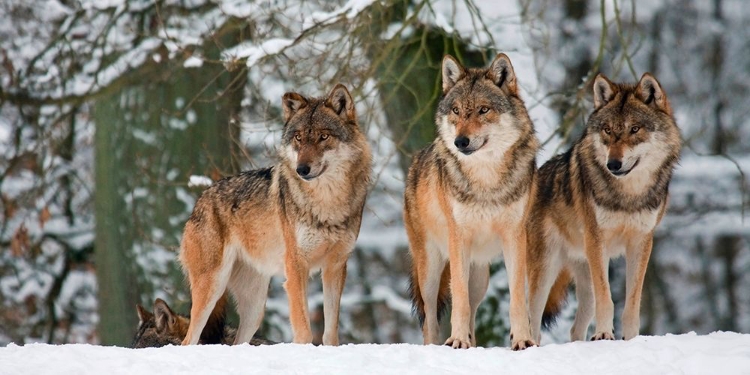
149	139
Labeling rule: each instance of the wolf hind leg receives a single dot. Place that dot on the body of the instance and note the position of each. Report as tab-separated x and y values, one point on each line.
544	266
479	279
206	289
429	278
432	290
585	298
250	290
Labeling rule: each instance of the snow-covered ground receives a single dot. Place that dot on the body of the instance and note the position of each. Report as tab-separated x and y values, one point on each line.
720	352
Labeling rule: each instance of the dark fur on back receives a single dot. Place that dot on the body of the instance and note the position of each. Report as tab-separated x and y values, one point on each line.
233	191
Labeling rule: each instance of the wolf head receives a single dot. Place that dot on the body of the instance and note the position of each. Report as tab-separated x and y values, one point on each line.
319	133
480	108
160	328
632	127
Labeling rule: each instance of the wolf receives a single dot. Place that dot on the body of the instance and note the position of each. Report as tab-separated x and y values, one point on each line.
165	327
601	199
299	216
467	198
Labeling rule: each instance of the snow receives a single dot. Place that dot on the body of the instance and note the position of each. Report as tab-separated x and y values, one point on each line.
196	181
684	354
193	62
253	52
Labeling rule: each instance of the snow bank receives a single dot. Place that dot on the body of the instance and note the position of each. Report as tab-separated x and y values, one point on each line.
725	352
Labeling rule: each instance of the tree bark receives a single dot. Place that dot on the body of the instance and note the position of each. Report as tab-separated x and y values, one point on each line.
181	121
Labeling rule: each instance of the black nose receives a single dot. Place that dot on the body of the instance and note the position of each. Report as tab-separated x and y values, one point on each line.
461	142
614	165
303	170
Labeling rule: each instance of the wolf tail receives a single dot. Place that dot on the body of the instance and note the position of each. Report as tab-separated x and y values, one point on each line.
213	332
556	300
444	295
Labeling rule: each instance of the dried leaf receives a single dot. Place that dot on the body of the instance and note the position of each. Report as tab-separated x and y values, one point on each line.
215	174
44	216
20	241
9	207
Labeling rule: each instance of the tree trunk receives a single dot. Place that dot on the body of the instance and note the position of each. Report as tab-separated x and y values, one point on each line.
150	138
115	278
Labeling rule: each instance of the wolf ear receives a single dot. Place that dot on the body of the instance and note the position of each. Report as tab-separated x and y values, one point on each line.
164	316
650	92
341	102
604	91
502	74
452	72
292	102
143	314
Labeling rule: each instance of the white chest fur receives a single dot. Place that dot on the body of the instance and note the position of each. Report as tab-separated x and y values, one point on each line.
640	222
483	228
308	238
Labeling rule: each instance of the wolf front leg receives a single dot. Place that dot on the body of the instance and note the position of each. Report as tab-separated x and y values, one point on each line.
585	298
334	277
636	256
460	268
297	271
598	266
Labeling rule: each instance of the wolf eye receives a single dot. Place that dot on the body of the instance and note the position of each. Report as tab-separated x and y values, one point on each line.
298	137
455	110
483	110
323	137
607	130
635	129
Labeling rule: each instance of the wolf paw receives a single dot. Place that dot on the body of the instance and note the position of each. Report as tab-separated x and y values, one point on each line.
458	343
521	343
603	336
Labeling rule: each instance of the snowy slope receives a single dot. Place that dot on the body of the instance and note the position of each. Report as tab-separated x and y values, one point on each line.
721	352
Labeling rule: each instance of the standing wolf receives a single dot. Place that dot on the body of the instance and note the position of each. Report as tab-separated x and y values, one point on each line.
467	198
602	198
297	217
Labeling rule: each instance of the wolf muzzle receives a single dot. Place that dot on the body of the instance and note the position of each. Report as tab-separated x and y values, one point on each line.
615	167
303	170
463	144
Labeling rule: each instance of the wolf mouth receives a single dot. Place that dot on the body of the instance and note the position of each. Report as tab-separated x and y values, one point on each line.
468	152
622	173
311	177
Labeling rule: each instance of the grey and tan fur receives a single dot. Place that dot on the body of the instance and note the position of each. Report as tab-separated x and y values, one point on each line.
467	199
165	327
602	199
297	217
